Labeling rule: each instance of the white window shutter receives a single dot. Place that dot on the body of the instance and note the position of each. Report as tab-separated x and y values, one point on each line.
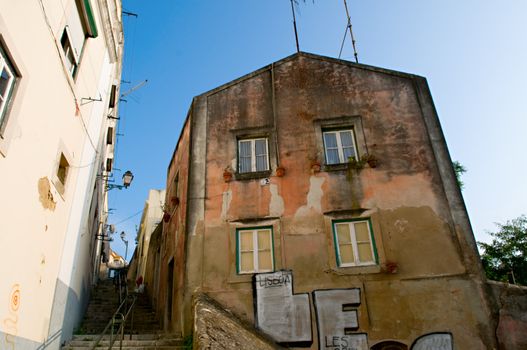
76	31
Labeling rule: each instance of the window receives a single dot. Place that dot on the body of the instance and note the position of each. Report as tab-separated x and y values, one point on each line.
253	155
113	92
7	83
109	136
71	56
354	243
62	171
109	164
254	250
73	37
339	146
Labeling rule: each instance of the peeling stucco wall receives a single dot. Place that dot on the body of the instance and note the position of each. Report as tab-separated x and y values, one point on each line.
45	196
426	277
510	309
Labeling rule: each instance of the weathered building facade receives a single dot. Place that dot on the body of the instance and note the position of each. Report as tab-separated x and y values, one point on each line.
60	71
315	198
151	218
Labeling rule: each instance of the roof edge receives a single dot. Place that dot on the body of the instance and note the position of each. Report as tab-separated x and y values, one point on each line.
311	56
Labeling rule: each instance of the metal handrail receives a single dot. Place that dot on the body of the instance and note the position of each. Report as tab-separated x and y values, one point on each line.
119	317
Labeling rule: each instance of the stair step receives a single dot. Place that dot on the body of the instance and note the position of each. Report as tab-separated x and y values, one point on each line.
116	346
126	342
144	336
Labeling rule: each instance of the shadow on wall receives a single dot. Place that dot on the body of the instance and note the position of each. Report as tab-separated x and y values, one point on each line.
12	342
66	314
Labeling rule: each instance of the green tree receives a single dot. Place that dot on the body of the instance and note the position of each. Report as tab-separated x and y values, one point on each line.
505	259
459	169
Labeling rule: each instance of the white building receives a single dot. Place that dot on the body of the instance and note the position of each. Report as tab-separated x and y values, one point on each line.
60	70
152	216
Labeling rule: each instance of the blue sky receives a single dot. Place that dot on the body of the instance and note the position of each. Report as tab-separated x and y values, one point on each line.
473	53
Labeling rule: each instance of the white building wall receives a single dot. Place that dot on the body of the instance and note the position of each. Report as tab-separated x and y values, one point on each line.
152	216
46	238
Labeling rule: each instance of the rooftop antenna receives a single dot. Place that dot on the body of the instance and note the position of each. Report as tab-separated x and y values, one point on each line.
137	87
348	27
294	25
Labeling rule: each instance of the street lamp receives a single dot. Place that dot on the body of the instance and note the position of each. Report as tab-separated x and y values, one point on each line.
123	235
127	181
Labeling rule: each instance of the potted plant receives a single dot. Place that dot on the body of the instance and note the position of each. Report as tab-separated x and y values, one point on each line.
227	174
280	171
354	163
371	160
315	166
390	267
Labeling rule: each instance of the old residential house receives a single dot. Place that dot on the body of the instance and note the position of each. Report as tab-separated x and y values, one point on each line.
60	70
151	218
315	198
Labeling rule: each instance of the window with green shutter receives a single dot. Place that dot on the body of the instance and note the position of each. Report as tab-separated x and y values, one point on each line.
354	243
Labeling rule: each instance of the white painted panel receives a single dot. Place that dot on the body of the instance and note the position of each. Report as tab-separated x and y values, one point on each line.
280	314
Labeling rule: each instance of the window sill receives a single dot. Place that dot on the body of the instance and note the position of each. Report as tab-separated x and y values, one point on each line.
354	270
244	278
335	167
253	175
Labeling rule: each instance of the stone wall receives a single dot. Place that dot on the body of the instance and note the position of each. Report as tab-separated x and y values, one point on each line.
511	314
216	328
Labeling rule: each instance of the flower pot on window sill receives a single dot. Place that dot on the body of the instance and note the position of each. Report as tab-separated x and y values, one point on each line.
280	171
227	176
390	267
371	160
315	167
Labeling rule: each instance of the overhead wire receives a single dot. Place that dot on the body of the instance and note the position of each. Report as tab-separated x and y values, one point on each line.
130	217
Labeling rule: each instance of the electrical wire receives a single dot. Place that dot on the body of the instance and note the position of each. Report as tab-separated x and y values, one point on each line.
65	71
130	217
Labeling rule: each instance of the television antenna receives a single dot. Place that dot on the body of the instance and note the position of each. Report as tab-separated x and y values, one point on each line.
349	28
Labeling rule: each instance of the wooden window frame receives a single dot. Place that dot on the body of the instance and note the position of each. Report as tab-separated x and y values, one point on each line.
253	155
5	63
340	148
353	240
68	49
255	249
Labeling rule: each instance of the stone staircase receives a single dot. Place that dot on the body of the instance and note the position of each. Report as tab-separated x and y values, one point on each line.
146	334
137	342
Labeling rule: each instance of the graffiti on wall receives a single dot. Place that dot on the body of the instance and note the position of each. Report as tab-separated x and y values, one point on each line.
11	322
337	320
434	341
286	317
281	314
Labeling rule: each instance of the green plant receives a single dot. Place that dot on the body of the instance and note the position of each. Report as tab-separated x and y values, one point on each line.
505	258
459	170
187	342
354	163
79	330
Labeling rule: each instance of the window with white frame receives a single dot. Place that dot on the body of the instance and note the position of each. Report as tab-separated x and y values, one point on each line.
7	83
253	155
339	146
73	37
354	243
254	249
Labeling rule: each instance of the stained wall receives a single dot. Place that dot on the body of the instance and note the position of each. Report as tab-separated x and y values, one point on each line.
427	277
